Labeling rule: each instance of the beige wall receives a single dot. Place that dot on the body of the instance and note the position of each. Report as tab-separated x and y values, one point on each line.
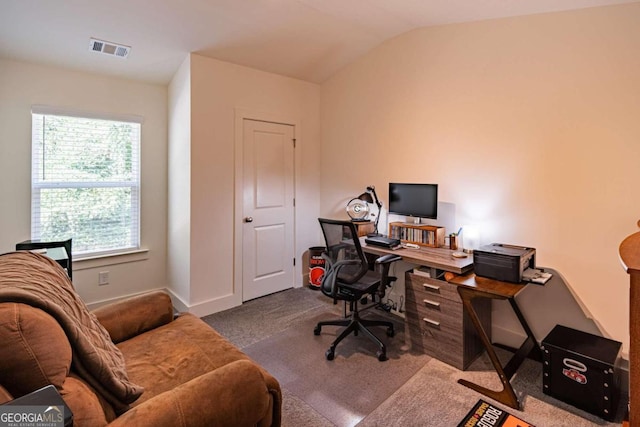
23	85
529	124
218	90
179	196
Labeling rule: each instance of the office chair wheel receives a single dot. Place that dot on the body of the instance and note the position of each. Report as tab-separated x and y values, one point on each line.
330	354
316	330
390	332
382	355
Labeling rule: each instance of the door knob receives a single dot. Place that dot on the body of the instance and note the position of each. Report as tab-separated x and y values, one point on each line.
248	219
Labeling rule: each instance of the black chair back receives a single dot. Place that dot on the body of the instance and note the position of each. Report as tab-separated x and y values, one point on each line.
344	255
347	278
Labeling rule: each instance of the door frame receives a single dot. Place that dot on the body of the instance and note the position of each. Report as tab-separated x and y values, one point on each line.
240	115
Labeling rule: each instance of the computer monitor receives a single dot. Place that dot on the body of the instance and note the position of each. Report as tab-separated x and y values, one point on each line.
416	200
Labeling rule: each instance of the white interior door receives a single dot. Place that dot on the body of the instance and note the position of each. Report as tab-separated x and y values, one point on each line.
267	234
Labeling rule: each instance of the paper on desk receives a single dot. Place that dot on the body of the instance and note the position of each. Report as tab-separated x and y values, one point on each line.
535	275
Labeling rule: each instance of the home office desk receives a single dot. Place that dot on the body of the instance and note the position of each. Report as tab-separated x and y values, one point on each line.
470	287
438	258
435	319
475	294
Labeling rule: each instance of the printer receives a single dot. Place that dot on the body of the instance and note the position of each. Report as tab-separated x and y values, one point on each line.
503	262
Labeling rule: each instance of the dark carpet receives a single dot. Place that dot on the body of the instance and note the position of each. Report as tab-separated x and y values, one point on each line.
355	388
343	390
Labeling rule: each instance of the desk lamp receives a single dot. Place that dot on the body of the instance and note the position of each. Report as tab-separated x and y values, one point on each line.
358	208
366	197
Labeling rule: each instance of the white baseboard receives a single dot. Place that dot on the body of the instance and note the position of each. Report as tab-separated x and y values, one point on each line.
96	304
207	307
199	309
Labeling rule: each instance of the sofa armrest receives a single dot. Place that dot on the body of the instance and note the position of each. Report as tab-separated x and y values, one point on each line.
133	316
5	396
232	395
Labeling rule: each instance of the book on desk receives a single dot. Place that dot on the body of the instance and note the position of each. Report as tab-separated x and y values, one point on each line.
382	241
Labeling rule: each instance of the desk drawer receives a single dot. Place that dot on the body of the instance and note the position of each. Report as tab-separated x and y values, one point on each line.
435	326
440	339
441	328
431	286
435	308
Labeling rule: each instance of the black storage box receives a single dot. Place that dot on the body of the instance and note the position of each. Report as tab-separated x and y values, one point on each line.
582	369
503	262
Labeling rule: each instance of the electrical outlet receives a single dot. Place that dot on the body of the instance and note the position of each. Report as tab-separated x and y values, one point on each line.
103	278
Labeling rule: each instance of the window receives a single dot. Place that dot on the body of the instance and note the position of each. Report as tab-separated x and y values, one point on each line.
85	180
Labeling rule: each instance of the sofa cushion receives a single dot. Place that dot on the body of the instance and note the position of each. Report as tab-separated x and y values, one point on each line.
88	409
35	351
175	353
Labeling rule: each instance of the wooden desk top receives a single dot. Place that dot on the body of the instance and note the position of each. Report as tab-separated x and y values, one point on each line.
489	286
440	258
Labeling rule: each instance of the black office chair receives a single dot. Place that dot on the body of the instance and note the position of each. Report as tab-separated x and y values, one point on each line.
67	264
348	278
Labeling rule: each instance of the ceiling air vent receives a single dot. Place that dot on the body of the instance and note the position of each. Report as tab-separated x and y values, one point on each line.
109	48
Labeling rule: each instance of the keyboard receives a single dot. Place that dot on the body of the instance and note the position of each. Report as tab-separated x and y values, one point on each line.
384	242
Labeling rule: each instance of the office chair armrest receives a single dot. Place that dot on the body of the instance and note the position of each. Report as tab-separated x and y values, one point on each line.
387	259
385	280
331	271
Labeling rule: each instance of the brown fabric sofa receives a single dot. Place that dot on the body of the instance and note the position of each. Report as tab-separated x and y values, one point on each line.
190	374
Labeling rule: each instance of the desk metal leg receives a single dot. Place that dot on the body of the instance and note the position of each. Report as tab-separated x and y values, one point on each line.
507	395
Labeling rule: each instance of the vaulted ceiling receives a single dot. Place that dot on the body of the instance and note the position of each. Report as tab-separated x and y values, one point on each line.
304	39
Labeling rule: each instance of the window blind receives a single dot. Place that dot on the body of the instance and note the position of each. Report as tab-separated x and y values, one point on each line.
85	181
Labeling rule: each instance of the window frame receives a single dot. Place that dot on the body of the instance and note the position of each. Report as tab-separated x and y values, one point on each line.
37	185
